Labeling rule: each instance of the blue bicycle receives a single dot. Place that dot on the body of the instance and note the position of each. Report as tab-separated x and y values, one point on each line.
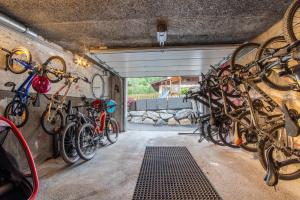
17	110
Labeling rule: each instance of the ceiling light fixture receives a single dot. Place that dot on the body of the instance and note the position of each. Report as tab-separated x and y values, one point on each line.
81	61
161	32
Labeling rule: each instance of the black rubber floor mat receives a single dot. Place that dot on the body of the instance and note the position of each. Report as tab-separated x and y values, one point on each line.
172	173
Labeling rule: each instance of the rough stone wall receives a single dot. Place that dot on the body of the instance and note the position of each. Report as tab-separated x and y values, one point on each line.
183	117
40	52
39	142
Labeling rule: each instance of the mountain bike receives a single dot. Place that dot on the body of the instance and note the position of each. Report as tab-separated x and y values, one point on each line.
74	119
276	152
17	110
102	126
52	119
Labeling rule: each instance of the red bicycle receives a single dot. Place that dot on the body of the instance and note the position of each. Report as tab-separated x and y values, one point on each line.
18	174
100	128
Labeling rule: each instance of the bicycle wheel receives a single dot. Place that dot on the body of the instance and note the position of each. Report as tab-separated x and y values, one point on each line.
213	134
17	112
112	130
54	123
272	77
97	86
248	137
68	145
291	22
226	135
86	144
56	63
15	59
243	55
288	166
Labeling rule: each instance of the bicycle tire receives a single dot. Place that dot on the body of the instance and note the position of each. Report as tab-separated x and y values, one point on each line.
78	141
69	131
54	79
233	63
101	94
223	139
262	146
243	145
115	128
265	78
10	62
25	112
44	120
211	137
288	19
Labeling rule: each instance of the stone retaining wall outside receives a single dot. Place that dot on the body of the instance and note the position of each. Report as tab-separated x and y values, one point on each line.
183	117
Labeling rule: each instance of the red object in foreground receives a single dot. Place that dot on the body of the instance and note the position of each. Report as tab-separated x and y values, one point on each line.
5	122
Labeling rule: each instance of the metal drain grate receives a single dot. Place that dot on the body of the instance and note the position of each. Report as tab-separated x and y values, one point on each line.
172	173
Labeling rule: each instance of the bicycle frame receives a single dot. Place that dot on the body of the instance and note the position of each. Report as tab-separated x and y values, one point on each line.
22	92
255	125
59	103
102	118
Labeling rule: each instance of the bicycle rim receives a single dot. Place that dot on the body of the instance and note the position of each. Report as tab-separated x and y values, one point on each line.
58	64
17	56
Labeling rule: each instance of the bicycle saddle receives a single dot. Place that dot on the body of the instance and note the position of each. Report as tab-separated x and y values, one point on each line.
271	177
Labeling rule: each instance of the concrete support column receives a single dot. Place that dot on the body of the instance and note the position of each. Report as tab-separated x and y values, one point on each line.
125	100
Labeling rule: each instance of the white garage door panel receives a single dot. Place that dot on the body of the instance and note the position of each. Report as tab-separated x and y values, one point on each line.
162	63
163	74
166	62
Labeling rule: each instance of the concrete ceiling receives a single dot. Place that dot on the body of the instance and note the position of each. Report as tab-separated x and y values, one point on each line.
81	25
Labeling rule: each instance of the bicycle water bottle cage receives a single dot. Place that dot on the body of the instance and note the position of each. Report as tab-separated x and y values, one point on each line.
10	84
291	125
271	177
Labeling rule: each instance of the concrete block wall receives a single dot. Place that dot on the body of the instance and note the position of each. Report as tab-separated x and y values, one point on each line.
39	142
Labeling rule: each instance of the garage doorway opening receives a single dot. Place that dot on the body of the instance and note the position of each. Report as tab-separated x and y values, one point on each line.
159	102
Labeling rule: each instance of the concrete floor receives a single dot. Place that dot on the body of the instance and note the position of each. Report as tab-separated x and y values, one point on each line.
112	174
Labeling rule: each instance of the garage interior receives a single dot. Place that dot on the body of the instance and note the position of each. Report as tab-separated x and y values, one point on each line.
127	39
